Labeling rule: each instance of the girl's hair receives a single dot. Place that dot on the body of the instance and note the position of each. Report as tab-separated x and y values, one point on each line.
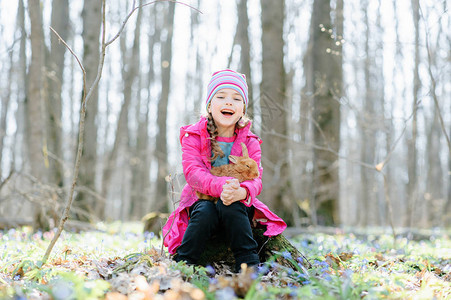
213	131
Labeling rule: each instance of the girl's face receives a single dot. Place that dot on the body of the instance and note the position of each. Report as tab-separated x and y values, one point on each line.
226	107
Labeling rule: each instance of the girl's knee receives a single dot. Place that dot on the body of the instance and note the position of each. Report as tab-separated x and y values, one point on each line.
203	206
205	212
234	209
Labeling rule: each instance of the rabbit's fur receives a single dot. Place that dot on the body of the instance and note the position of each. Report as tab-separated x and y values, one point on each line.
241	167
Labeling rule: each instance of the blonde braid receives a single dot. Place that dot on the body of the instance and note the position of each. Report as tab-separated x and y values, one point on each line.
213	131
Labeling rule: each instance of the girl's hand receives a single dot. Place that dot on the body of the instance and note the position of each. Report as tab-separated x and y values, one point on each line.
232	192
233	183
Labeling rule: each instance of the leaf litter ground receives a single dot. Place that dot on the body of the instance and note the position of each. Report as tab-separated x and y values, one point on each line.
118	261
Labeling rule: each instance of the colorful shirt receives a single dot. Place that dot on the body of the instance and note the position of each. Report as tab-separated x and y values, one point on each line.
226	144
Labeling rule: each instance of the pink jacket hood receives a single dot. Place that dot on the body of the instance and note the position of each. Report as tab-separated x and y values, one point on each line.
196	153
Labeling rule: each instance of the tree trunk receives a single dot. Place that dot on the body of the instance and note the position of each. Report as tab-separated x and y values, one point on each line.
151	80
433	196
161	197
4	110
401	195
412	185
92	18
35	103
139	149
306	132
242	32
141	164
194	78
367	134
384	203
276	180
35	109
326	114
20	137
60	22
447	207
434	193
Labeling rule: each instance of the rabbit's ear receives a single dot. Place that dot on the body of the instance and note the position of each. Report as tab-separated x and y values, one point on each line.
245	153
233	159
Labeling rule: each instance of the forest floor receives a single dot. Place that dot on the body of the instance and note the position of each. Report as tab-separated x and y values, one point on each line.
118	261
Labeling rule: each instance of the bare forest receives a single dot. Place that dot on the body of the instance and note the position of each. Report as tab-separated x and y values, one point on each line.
352	100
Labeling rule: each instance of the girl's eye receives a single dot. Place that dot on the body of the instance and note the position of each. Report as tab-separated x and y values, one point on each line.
238	99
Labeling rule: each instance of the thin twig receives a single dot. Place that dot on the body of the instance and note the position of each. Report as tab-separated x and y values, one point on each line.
73	54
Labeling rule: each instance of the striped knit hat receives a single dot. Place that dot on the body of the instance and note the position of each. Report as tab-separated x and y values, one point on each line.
227	79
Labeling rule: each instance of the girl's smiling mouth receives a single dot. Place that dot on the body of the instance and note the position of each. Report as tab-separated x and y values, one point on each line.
227	112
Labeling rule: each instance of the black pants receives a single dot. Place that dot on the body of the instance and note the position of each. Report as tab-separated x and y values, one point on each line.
207	218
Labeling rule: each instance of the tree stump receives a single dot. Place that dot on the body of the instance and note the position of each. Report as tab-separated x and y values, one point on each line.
268	247
154	221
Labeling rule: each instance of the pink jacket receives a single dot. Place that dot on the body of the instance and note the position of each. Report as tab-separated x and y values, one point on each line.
196	167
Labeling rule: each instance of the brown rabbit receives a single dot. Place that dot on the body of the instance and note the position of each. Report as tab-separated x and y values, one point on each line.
241	167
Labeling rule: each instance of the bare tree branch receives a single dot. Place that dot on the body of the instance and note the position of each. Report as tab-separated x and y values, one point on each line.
73	54
6	179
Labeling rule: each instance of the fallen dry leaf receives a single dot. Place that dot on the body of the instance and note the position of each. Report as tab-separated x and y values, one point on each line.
332	260
344	256
379	257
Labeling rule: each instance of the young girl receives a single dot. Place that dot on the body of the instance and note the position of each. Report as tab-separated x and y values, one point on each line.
206	144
